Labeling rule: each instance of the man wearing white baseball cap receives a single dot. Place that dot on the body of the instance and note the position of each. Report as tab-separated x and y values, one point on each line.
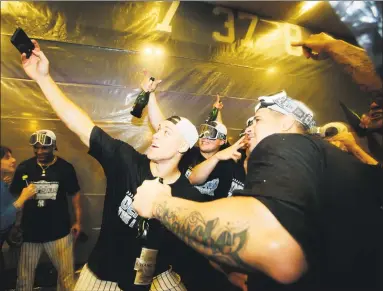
115	261
46	220
309	218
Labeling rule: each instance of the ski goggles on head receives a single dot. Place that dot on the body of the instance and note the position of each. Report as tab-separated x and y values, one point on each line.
210	132
41	138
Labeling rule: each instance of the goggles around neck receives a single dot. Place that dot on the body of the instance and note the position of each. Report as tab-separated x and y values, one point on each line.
210	132
41	138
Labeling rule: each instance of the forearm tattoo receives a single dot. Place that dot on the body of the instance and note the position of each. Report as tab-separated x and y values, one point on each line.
356	63
219	243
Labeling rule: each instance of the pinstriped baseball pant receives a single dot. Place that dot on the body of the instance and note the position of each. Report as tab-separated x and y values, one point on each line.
60	252
166	281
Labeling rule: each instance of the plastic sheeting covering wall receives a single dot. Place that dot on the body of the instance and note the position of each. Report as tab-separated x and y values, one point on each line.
98	50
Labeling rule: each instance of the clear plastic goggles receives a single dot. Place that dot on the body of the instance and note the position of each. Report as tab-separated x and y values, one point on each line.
41	138
209	132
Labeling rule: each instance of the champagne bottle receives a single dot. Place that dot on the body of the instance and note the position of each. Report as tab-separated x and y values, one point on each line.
213	114
145	265
140	103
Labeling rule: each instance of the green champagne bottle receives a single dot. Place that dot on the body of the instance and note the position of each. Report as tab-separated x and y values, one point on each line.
140	103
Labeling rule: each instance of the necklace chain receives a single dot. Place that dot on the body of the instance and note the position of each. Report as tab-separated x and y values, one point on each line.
46	166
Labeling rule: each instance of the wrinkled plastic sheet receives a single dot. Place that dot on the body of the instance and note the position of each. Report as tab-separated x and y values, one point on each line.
364	18
95	53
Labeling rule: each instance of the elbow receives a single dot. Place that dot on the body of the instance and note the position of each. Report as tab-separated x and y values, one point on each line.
192	179
286	263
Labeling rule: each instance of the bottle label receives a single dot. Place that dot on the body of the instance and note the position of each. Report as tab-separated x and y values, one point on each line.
145	266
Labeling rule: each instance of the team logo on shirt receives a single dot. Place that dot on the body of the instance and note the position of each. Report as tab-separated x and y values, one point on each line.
126	212
46	190
209	187
235	185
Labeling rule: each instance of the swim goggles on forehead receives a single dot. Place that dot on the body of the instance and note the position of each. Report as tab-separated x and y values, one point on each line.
41	138
210	132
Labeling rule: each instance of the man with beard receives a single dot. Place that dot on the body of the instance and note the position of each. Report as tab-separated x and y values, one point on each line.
46	221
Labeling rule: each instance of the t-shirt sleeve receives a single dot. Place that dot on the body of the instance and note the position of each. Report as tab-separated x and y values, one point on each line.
283	174
72	186
109	151
18	184
284	167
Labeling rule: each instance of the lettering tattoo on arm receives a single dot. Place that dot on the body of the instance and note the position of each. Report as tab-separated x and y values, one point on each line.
220	243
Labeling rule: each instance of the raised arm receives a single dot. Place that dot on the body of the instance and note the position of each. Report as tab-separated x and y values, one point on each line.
253	240
154	112
37	68
201	172
218	104
352	59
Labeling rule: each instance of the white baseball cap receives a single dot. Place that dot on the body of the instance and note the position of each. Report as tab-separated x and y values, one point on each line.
186	128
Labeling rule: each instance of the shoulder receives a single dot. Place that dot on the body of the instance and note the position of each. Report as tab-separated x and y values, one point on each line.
64	163
28	162
289	144
194	151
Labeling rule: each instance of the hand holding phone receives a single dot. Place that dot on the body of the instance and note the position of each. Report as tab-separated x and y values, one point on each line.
22	42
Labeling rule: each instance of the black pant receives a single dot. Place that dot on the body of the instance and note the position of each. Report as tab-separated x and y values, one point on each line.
3	237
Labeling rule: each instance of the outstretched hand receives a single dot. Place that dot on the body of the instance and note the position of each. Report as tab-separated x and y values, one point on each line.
37	66
316	46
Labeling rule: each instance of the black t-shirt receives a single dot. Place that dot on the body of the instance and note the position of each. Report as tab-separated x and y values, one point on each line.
117	248
329	202
46	217
226	177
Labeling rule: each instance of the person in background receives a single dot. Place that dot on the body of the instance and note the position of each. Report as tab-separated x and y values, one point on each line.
46	221
9	206
338	134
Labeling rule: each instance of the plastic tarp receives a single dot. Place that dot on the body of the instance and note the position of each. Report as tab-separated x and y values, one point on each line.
98	50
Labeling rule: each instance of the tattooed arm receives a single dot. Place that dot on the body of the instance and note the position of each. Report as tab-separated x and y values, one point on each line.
356	63
352	59
237	231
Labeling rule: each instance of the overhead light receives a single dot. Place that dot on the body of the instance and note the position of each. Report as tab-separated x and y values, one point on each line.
148	51
306	6
158	52
26	114
271	70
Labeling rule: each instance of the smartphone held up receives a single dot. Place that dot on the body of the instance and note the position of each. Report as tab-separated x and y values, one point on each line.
22	42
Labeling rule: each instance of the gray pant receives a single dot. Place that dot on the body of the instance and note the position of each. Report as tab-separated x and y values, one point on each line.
166	281
60	253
